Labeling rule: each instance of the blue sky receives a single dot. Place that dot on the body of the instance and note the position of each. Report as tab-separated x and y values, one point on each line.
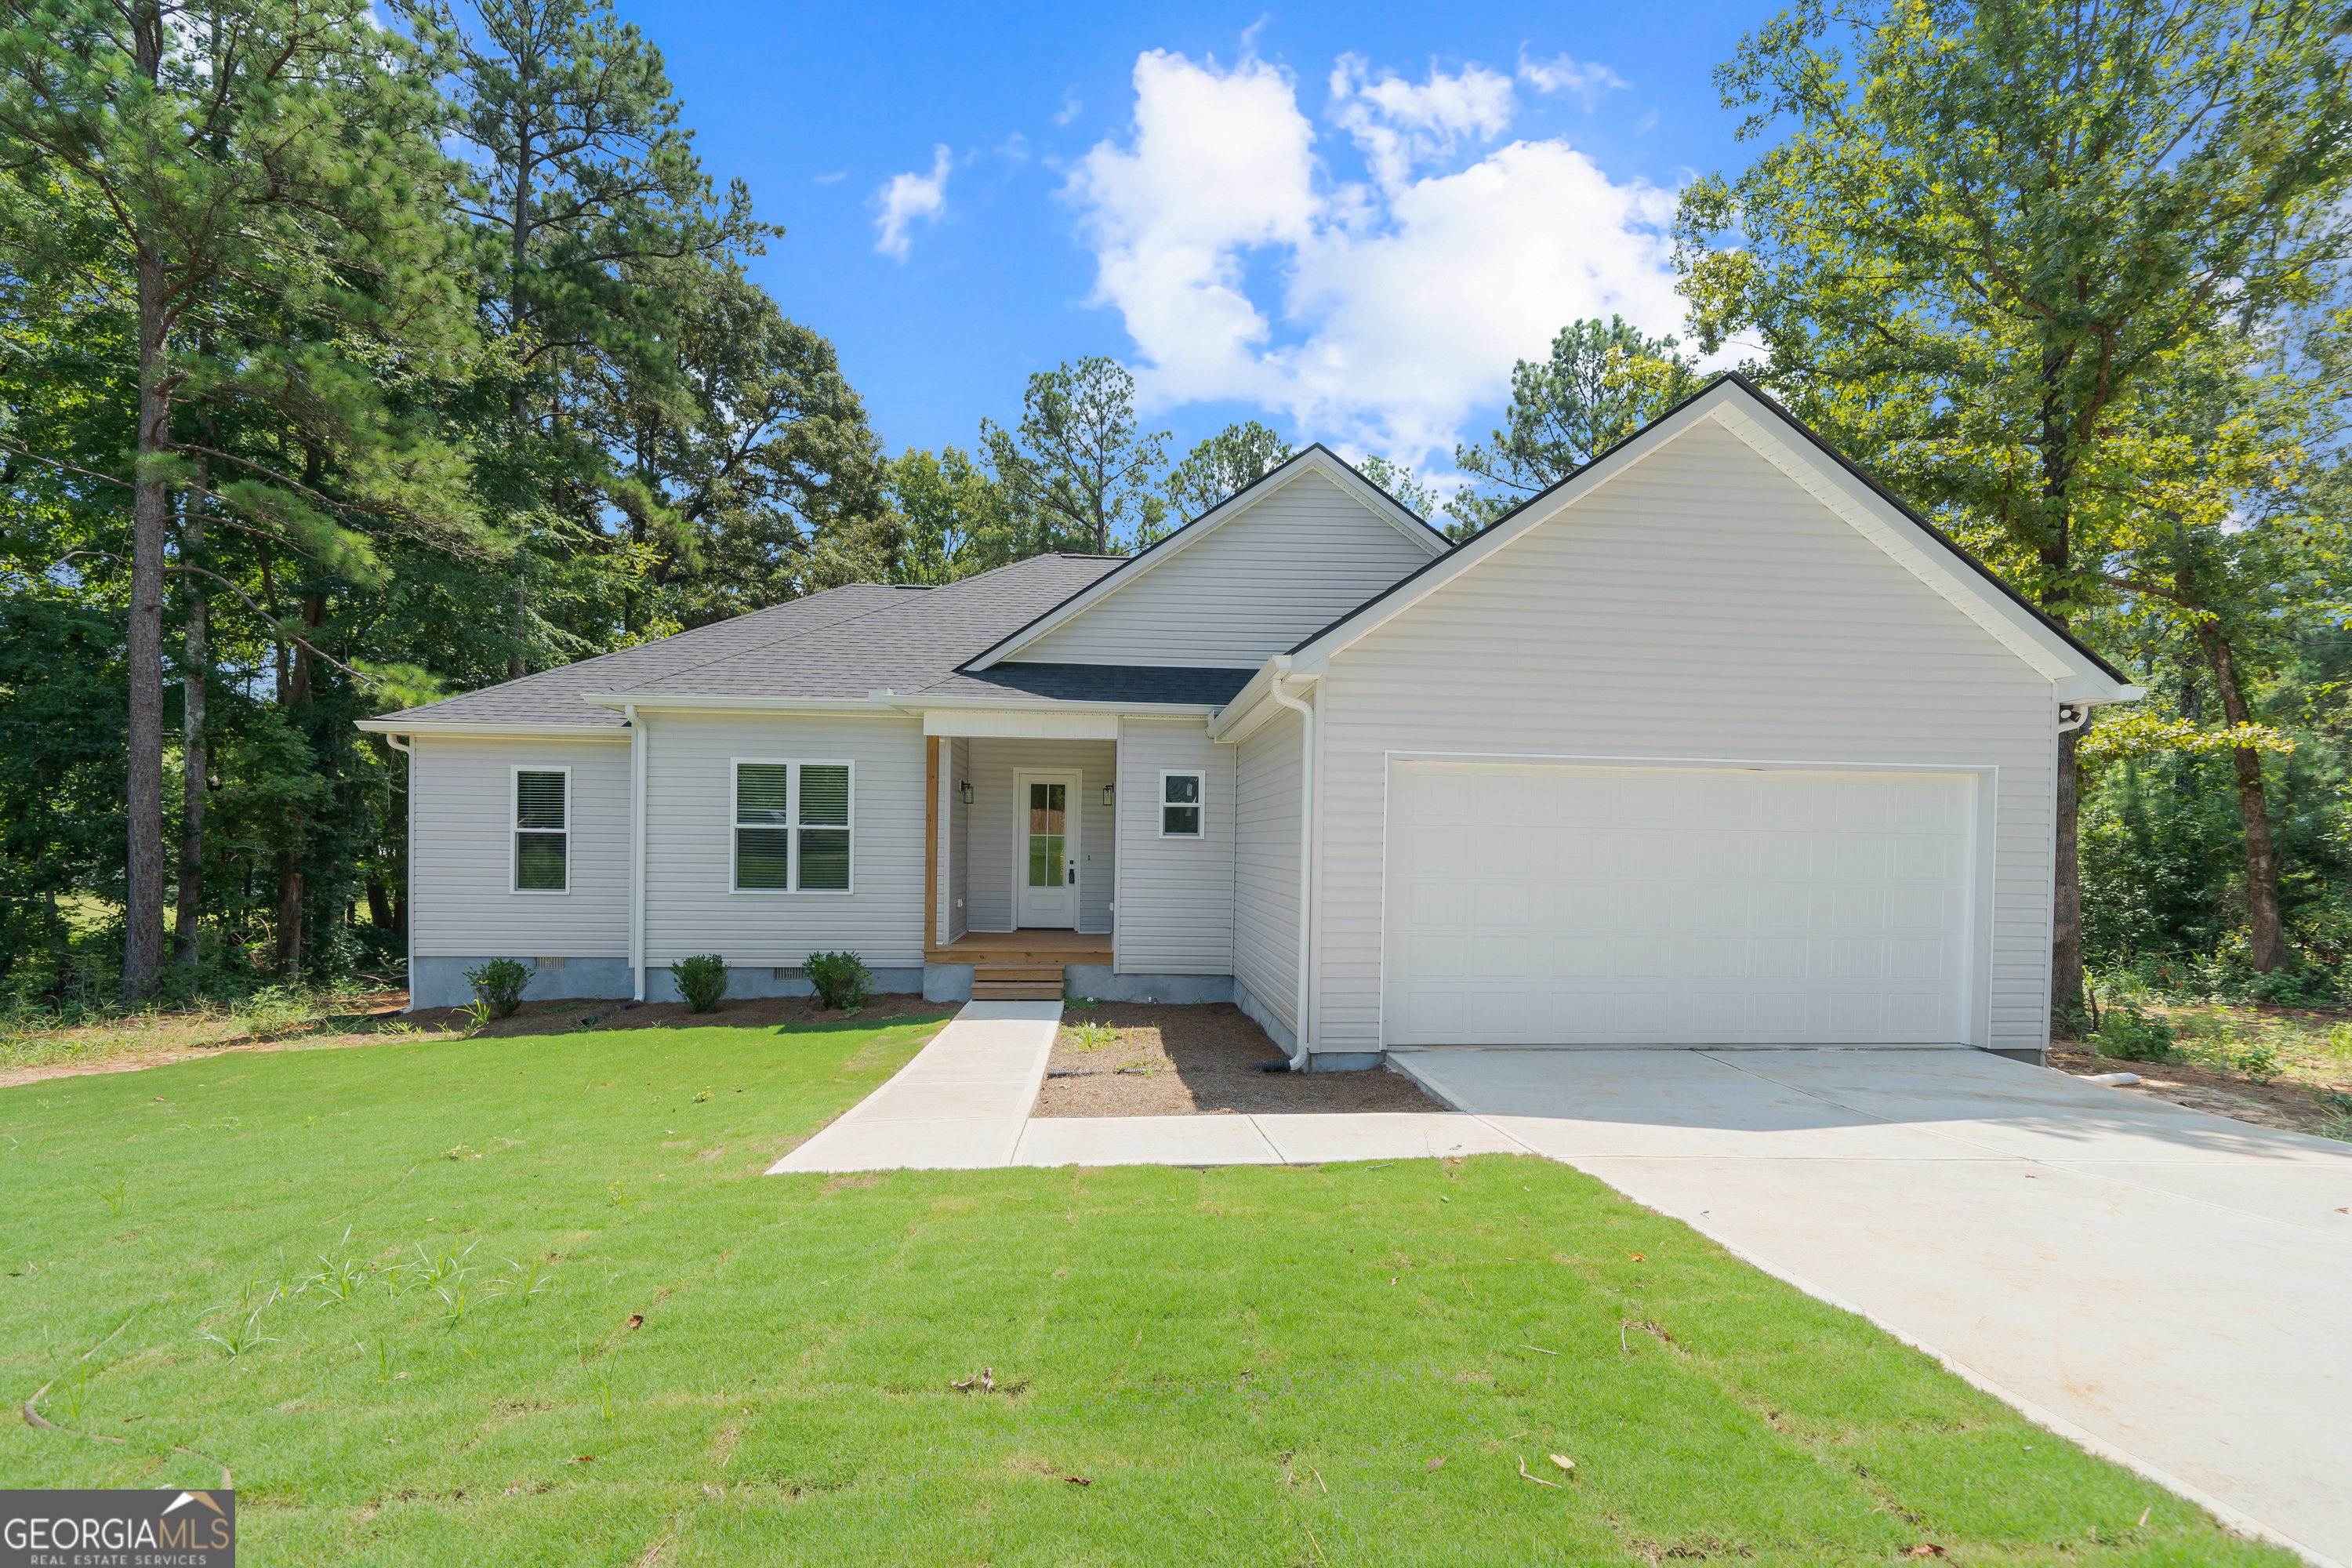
1345	223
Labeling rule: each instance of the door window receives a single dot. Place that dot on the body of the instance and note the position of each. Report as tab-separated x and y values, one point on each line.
1048	833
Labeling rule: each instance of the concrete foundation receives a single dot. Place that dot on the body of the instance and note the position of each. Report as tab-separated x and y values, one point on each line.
441	981
763	981
1097	981
1260	1013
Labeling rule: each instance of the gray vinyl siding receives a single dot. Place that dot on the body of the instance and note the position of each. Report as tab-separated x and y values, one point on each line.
957	761
689	838
1176	895
989	842
1700	605
1265	864
464	904
1280	572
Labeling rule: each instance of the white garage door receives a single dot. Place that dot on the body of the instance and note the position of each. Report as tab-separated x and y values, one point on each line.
1571	905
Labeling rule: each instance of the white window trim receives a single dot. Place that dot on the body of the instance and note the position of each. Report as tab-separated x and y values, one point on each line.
515	830
735	766
1160	802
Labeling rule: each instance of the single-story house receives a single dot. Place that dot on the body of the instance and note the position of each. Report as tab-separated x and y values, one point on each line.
1715	741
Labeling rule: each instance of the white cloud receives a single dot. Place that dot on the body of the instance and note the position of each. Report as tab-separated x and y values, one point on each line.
1375	316
905	199
1399	125
1589	80
832	179
1071	105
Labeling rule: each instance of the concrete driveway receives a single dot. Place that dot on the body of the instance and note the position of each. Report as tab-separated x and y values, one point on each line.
2168	1288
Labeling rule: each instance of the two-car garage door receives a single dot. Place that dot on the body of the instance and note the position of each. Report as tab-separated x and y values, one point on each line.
1628	905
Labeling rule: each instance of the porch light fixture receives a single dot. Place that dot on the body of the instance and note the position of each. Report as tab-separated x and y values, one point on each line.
964	789
1107	789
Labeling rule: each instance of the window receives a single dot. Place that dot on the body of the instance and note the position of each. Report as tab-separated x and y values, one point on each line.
543	830
791	827
1179	806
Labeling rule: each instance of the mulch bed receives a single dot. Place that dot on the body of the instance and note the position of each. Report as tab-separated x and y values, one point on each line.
733	1013
1198	1059
2280	1103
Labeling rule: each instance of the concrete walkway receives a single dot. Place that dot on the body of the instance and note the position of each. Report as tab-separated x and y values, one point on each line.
960	1105
2170	1288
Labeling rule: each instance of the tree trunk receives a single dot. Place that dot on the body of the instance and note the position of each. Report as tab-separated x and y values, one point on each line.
290	916
143	948
2055	549
2266	928
192	754
379	904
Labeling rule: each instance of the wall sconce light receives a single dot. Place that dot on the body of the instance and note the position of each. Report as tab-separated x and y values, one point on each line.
1107	789
964	789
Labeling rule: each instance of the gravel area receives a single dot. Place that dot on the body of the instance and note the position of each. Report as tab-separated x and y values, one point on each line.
1162	1059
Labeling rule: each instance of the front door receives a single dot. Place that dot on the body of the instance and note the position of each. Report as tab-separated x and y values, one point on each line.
1046	849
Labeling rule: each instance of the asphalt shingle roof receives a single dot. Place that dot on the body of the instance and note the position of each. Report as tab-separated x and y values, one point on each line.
1096	683
845	642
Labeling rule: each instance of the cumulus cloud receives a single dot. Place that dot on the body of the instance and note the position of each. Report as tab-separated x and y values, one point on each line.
1376	315
907	197
1588	80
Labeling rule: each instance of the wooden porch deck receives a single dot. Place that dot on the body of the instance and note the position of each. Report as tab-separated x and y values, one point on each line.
1047	947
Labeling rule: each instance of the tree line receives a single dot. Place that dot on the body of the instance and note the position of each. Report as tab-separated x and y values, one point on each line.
350	364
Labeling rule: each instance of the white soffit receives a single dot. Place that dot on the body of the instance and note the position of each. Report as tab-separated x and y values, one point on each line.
1020	724
1882	526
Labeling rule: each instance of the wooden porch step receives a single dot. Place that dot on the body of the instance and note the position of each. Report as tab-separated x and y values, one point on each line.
1016	982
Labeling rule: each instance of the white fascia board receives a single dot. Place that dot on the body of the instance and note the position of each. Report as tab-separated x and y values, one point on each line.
1759	425
777	704
1049	705
1314	459
2095	694
491	729
1020	724
1254	704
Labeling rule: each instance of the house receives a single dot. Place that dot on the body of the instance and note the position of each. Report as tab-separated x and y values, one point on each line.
1713	741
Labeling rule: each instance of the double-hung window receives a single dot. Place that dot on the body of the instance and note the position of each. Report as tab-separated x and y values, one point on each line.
791	827
543	830
1179	806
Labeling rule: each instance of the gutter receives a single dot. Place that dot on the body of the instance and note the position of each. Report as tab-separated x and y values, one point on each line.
637	744
1308	801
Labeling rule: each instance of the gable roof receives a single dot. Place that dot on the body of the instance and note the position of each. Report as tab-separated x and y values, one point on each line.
1797	450
840	645
1316	458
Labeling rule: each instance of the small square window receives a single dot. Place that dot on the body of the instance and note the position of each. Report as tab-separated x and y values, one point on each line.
1179	806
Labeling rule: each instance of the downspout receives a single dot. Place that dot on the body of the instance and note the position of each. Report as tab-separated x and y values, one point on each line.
636	852
408	870
1307	802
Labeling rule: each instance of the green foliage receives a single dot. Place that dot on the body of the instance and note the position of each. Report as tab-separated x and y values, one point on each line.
1077	467
1604	380
2130	1034
499	984
701	980
1230	460
1399	481
842	979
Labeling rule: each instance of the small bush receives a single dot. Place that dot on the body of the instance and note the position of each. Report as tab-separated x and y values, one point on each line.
842	979
701	980
2131	1035
499	984
2257	1059
2339	1040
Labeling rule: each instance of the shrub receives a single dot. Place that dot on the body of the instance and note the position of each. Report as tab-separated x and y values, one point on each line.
701	980
2339	1040
2131	1035
499	984
842	979
2258	1059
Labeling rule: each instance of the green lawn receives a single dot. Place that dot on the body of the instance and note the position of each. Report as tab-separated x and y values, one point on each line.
1337	1365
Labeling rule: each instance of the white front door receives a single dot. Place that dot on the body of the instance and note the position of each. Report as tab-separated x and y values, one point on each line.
1622	905
1045	848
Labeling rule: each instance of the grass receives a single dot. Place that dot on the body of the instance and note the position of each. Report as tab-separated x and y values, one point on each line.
31	1037
531	1300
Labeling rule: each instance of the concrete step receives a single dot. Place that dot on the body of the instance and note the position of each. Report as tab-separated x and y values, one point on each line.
1031	973
1015	991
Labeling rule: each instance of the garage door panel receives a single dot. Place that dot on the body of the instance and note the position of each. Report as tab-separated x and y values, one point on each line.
1608	905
